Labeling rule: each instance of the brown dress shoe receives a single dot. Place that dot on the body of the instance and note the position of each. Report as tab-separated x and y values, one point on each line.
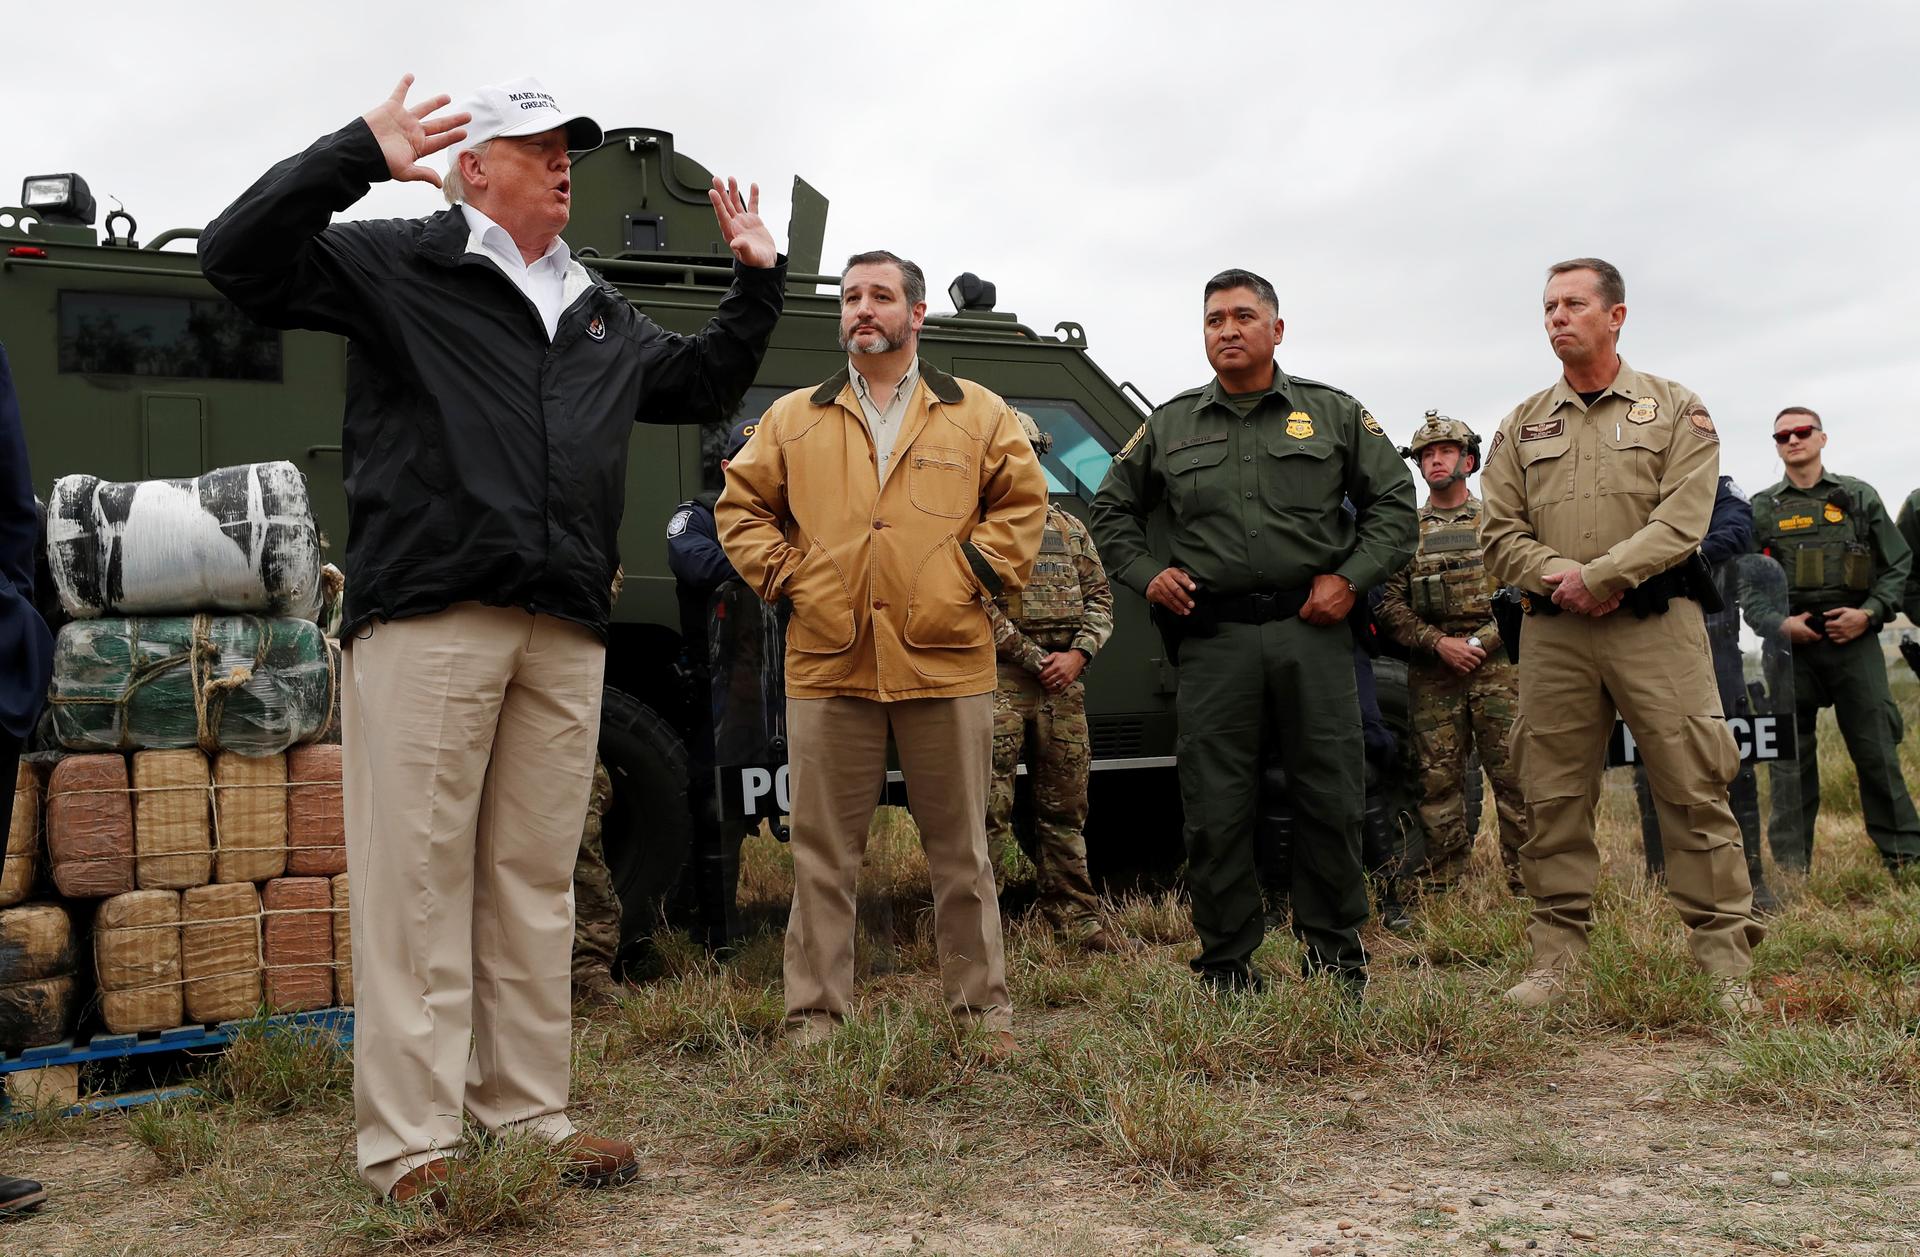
426	1183
594	1162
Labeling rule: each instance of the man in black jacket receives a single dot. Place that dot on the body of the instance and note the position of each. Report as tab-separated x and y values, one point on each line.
492	382
26	656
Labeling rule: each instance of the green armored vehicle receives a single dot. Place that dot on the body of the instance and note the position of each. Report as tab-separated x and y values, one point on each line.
130	366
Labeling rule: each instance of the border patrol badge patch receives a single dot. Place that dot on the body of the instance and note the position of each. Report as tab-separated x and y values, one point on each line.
1794	523
1371	424
1833	514
1495	447
1643	410
678	524
1702	423
1299	425
1131	442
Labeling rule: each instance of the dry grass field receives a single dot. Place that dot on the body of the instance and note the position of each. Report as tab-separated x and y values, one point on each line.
1141	1115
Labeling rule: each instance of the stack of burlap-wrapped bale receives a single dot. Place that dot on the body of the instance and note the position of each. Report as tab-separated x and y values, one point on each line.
182	789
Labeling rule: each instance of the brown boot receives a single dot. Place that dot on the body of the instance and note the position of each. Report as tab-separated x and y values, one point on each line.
426	1183
1101	940
1000	1046
594	1162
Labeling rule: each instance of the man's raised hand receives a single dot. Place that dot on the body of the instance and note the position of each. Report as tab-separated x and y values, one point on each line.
740	224
406	133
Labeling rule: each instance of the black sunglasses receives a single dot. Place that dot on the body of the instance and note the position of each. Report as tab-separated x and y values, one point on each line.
1789	434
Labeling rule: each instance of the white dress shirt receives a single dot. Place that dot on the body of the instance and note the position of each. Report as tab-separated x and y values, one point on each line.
544	282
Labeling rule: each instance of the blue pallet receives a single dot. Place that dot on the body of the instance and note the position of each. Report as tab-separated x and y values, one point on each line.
112	1047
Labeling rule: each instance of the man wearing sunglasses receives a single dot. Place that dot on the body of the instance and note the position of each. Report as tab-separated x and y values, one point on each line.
1846	568
1598	493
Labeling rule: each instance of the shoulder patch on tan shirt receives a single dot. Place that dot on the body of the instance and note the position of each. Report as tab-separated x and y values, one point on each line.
1702	423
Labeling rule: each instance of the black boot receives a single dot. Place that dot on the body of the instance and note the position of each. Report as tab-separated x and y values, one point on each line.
20	1195
1380	852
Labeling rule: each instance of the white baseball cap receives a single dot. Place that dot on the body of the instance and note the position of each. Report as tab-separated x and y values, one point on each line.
521	107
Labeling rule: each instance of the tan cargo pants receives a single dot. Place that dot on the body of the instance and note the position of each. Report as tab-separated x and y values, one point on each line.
468	742
837	763
1575	673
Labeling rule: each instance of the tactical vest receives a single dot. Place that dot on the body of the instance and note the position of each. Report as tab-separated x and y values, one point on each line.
1820	538
1052	601
1448	585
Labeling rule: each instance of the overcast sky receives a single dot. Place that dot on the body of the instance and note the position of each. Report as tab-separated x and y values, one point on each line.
1403	172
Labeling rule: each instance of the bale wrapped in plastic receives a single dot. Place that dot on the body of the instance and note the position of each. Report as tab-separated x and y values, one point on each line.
172	837
136	956
90	826
236	683
342	944
250	817
316	816
297	943
236	539
220	951
22	846
36	976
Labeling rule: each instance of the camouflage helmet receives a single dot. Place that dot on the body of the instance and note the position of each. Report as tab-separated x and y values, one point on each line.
1436	428
1041	441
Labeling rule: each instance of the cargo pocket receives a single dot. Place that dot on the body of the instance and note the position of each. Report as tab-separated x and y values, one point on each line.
1692	761
1547	467
941	481
1293	475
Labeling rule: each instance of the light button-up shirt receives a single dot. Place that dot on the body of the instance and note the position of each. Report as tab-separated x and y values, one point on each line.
883	425
544	282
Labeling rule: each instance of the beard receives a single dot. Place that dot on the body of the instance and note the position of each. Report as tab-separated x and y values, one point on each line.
889	340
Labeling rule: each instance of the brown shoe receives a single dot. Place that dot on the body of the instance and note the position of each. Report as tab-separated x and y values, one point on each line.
1103	941
1000	1045
426	1183
594	1162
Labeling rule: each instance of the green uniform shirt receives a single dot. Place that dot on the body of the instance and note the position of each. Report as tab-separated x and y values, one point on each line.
1834	513
1254	500
1909	523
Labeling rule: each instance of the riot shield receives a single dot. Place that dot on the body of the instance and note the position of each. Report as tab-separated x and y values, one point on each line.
1753	665
746	647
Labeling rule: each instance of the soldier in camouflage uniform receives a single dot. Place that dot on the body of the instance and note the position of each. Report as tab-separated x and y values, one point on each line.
596	909
1462	690
1044	636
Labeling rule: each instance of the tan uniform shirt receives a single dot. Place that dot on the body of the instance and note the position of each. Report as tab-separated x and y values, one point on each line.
1622	489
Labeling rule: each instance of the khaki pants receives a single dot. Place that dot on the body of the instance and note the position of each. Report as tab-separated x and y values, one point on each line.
468	744
837	763
1575	672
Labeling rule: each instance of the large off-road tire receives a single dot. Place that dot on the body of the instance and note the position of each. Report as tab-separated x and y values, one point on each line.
648	828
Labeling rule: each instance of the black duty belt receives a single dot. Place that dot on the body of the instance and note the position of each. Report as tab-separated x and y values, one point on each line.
1258	608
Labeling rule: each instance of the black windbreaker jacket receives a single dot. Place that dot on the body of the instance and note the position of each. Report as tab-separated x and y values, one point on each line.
482	463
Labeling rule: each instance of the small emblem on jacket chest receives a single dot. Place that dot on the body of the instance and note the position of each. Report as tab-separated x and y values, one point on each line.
597	327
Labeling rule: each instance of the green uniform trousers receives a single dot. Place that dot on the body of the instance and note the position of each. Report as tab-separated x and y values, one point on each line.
1295	679
1576	672
1852	678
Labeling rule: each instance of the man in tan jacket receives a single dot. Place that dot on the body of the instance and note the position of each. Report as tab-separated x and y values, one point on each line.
886	506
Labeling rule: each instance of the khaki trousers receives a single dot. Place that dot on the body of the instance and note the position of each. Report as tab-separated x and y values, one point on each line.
468	739
837	765
1575	673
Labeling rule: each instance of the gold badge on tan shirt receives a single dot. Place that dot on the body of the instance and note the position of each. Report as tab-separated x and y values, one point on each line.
1643	410
1371	424
1299	425
1833	513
